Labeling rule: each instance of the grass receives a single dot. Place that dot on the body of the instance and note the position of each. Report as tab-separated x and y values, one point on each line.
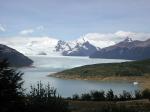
110	106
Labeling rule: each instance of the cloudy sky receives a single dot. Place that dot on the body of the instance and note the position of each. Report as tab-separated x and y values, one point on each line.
71	19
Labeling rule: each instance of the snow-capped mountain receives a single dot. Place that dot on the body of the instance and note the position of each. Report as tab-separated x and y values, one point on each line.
82	46
127	49
64	46
76	48
54	47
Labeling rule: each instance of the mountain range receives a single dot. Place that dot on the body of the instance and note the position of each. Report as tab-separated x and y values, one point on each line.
55	47
79	49
127	49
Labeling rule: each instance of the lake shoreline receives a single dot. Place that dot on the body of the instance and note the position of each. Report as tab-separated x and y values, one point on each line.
143	81
136	72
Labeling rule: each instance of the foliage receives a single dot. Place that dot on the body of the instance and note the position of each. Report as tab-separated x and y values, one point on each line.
98	95
125	96
11	92
75	97
146	93
86	96
44	99
138	94
110	96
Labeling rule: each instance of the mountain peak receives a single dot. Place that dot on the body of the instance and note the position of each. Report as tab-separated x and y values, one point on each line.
128	39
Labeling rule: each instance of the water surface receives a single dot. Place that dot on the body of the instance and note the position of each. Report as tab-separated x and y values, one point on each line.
44	65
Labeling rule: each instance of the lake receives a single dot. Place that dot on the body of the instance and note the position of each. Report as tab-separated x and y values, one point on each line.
45	65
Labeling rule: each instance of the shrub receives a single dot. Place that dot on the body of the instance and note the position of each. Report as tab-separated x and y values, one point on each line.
75	97
110	95
86	96
44	99
138	94
98	95
146	93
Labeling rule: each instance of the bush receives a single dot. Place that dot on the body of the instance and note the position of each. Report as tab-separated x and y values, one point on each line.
110	95
98	95
75	97
44	99
138	94
146	93
86	96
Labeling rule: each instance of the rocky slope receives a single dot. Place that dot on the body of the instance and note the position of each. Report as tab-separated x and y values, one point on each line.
14	57
127	49
75	49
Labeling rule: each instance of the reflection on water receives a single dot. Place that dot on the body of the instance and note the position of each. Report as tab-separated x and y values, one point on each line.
46	65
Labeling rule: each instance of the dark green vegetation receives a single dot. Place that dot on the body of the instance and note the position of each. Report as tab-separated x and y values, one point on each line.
11	93
45	99
134	68
39	99
110	96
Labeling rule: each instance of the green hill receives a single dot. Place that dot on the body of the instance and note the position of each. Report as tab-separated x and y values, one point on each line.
133	68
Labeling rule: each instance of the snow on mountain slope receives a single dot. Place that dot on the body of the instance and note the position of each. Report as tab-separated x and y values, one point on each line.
65	46
32	45
96	39
53	47
81	49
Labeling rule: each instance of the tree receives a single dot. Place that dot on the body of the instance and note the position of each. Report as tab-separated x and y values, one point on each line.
86	96
45	99
138	94
11	92
98	95
110	95
75	97
146	93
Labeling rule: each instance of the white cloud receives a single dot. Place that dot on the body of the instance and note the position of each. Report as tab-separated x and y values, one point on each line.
30	31
27	31
117	36
134	35
98	39
30	45
124	34
2	29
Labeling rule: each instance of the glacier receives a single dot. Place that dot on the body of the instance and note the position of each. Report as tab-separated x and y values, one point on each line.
49	46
